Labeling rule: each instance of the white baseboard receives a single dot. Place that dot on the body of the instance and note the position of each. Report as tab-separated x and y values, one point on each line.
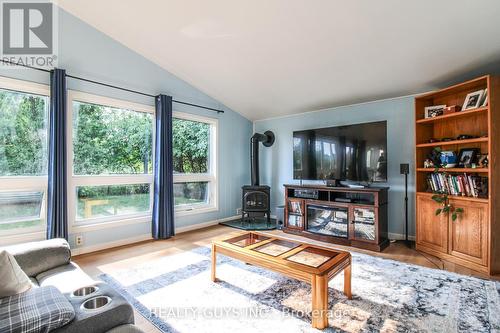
400	236
204	224
108	245
141	238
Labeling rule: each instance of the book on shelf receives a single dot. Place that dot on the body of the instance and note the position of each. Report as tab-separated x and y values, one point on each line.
460	185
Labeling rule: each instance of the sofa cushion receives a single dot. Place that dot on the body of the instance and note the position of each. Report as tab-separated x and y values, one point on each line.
66	278
12	278
117	312
37	257
37	310
125	329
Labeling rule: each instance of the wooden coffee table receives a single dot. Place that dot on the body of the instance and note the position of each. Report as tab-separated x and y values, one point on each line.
305	262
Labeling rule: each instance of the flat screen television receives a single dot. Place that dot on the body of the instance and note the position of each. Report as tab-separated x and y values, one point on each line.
354	152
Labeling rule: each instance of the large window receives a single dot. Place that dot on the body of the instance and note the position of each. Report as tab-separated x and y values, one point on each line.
111	160
23	156
194	150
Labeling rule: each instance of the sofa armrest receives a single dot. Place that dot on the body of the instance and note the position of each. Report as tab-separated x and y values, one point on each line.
37	257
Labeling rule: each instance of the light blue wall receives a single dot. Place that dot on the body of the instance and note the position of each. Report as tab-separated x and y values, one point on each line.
276	161
84	51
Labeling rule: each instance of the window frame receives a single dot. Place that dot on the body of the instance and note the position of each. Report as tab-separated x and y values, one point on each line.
73	181
27	183
211	176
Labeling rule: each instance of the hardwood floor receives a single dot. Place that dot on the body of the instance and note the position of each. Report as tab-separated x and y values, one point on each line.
110	260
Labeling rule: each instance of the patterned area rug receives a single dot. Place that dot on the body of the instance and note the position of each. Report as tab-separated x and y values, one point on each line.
175	293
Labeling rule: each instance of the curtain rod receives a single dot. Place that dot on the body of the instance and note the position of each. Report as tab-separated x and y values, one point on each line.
110	86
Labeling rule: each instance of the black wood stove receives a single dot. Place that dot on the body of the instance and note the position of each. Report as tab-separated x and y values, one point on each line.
256	198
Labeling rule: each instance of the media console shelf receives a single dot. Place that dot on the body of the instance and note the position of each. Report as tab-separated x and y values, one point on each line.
346	216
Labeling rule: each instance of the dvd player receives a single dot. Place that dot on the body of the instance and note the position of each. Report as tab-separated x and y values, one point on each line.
306	193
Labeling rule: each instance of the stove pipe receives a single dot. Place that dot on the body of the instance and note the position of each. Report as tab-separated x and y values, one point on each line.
267	140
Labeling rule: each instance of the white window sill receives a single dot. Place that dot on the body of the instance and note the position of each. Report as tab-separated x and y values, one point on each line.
120	222
6	239
195	210
86	227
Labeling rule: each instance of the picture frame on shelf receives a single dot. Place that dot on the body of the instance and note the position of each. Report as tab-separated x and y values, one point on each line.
434	111
483	161
473	100
467	157
485	98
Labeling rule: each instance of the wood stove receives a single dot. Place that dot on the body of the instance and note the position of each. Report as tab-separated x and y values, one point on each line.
256	202
256	198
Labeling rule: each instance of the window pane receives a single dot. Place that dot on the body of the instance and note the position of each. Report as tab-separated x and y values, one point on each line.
109	140
194	193
23	134
112	200
191	140
20	210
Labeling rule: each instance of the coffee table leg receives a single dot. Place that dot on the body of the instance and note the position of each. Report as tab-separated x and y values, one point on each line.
347	281
319	290
214	262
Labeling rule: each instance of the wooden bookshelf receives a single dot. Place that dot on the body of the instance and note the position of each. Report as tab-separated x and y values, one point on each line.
459	170
453	142
463	114
467	241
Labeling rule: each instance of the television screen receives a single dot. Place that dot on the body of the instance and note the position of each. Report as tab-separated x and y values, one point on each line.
354	152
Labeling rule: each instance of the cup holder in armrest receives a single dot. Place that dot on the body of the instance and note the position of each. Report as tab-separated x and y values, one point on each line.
96	303
85	291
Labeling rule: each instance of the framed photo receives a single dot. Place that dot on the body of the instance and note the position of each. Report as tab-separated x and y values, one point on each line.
434	111
485	98
467	156
483	161
473	100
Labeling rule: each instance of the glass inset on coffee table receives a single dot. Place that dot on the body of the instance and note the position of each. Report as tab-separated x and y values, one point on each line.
313	257
246	239
276	247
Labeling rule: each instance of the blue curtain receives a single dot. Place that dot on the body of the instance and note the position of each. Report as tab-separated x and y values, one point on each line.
57	217
163	204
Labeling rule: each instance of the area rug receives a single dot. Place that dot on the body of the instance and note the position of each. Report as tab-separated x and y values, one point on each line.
176	294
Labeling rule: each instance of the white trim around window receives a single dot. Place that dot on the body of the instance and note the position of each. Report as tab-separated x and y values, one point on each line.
75	181
211	176
77	226
25	183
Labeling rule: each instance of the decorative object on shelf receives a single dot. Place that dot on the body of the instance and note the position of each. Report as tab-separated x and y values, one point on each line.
473	100
435	156
447	139
448	159
467	156
465	137
432	140
434	111
483	161
452	109
485	98
428	163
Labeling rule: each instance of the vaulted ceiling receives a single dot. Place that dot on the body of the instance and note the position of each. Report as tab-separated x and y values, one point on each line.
267	58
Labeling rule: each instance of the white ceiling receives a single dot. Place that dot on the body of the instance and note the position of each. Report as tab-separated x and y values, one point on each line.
266	58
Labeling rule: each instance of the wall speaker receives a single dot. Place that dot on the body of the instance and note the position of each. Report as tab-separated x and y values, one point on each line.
404	168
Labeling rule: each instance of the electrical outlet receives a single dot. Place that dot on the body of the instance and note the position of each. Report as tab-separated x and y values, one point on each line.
238	211
79	240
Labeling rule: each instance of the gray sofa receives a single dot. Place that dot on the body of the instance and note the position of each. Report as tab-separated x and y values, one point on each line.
48	263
